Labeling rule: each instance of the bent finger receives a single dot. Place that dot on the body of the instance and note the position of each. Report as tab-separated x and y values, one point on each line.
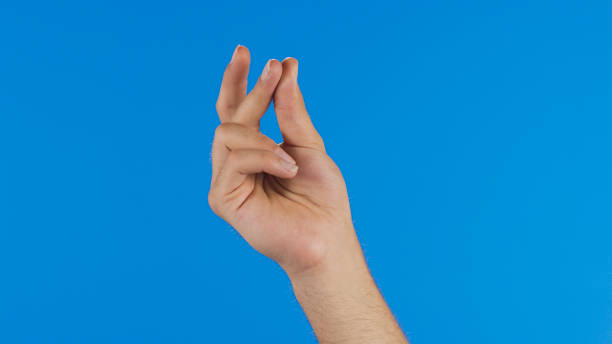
241	163
233	136
293	119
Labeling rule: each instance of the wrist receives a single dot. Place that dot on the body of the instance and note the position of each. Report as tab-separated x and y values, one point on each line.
341	273
341	300
341	258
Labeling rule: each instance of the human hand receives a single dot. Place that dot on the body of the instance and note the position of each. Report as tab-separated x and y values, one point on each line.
288	201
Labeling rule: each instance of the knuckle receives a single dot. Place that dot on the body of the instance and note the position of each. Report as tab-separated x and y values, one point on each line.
223	108
219	106
319	142
224	130
221	131
228	128
213	202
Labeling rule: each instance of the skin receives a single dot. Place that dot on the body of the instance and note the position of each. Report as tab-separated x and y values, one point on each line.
290	203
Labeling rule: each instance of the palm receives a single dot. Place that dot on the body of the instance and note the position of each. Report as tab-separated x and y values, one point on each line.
286	218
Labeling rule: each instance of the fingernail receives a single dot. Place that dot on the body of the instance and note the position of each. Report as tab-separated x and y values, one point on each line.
235	53
286	157
266	71
289	57
291	167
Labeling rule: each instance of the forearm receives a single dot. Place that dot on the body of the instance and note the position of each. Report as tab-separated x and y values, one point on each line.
342	301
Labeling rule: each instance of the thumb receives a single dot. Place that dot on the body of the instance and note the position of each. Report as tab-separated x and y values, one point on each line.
293	119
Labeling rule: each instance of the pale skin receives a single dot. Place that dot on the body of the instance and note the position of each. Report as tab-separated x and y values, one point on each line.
290	203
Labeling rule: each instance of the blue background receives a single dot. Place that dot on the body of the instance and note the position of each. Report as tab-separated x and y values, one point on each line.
475	138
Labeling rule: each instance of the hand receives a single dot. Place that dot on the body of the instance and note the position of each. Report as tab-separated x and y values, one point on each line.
288	201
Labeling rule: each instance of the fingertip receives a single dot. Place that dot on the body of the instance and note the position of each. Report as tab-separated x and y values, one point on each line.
272	70
290	59
288	165
289	169
286	93
238	68
241	55
290	66
276	66
244	51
